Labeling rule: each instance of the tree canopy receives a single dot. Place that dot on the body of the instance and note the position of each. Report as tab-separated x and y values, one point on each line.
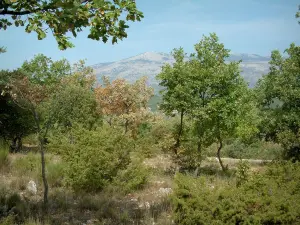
210	92
279	94
106	19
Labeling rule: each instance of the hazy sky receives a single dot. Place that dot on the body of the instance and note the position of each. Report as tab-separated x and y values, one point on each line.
244	26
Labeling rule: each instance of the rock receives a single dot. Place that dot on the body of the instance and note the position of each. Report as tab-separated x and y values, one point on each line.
145	205
31	187
92	222
165	191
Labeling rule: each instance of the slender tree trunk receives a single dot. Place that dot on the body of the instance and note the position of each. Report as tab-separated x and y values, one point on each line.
177	144
110	121
126	126
199	147
219	154
42	151
19	144
13	145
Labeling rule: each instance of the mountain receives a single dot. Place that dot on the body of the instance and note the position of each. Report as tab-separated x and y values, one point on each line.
149	64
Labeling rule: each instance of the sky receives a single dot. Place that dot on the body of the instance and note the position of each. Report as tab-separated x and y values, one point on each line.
244	26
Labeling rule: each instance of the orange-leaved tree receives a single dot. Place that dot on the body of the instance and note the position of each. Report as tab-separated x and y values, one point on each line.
125	103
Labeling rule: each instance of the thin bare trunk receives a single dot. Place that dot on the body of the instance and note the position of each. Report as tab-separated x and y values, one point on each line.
219	154
42	151
110	121
177	144
199	147
19	144
126	126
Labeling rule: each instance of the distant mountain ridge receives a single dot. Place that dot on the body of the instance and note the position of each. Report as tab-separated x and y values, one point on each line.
149	64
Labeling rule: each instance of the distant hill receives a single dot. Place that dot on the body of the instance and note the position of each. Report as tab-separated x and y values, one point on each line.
149	64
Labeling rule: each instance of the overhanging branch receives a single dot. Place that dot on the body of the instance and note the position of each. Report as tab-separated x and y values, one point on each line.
5	11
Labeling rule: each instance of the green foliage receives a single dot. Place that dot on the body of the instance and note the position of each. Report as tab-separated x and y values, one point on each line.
43	70
176	93
281	84
135	177
73	103
16	121
268	198
211	93
242	174
162	134
223	101
93	157
103	18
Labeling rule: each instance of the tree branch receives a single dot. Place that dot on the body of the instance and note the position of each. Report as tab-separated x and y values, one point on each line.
5	11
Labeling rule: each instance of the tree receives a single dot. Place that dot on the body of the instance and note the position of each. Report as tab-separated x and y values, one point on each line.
211	93
70	16
222	102
31	92
279	94
177	94
15	122
123	101
74	100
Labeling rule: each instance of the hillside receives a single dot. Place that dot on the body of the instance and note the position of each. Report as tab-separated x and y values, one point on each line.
149	64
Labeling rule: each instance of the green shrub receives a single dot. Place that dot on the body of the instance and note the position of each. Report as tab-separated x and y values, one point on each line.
135	177
268	198
162	134
93	157
242	174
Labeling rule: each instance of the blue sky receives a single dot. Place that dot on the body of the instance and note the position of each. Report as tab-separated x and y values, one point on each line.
244	26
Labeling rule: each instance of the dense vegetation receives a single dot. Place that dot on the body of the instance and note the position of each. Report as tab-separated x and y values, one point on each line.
99	155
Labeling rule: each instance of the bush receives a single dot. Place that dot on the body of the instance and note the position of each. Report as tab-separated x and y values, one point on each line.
135	177
268	198
162	134
93	157
242	174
